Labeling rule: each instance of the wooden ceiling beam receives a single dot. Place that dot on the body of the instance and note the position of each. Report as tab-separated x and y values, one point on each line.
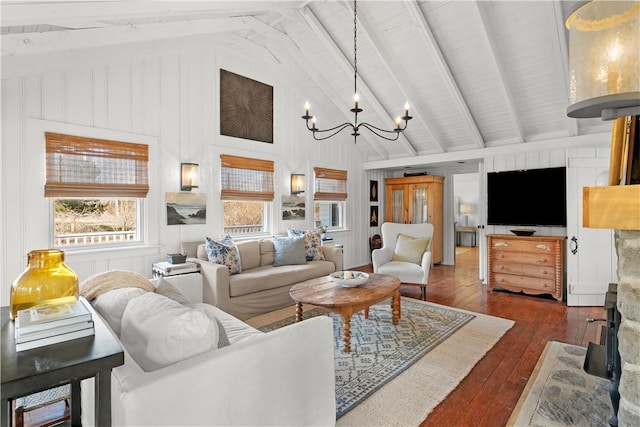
505	90
90	38
429	42
29	13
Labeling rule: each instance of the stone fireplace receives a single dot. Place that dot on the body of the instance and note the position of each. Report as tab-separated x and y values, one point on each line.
628	250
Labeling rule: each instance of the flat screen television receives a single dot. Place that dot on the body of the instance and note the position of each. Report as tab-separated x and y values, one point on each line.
534	197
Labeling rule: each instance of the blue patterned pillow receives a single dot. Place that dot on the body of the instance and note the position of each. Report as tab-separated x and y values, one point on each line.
224	252
312	243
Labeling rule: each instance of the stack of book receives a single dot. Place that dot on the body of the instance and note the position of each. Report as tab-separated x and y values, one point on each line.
51	324
164	269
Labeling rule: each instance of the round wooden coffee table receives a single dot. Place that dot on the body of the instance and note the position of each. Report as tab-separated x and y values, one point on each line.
322	292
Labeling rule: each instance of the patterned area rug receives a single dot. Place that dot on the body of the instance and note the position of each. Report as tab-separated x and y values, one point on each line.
560	393
407	399
380	350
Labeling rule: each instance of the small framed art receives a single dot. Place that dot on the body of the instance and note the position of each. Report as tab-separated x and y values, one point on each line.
373	191
373	217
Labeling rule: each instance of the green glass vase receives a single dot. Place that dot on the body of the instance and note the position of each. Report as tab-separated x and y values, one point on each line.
46	280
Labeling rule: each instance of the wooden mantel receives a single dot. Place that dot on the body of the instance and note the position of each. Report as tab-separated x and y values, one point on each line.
615	207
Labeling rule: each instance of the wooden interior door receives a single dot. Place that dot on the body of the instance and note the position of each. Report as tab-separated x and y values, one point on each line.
397	203
418	206
591	255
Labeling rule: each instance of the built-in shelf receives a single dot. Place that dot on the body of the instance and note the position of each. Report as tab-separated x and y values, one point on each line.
616	207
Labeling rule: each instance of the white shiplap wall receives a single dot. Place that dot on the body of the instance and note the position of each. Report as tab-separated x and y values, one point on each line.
166	94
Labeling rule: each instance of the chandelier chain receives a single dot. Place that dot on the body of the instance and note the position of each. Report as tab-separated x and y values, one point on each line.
355	47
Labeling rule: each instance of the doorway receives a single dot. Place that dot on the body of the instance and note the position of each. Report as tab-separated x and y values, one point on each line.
466	212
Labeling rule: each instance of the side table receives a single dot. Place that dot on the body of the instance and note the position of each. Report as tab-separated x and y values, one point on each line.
466	230
69	362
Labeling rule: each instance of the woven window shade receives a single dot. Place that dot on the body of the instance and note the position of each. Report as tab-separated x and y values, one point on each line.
330	184
90	167
244	178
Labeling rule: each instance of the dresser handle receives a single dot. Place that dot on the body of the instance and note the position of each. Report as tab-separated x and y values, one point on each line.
544	247
501	245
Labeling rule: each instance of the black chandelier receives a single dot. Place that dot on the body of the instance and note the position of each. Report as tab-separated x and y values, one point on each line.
355	126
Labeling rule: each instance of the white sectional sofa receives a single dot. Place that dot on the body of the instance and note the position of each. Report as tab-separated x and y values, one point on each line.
284	377
260	287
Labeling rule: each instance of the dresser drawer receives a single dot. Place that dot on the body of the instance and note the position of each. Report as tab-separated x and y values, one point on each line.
529	246
524	283
538	259
541	272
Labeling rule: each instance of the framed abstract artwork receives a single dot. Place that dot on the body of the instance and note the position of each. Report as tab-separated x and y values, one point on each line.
246	108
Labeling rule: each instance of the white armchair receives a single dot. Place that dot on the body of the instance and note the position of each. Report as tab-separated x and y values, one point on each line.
412	273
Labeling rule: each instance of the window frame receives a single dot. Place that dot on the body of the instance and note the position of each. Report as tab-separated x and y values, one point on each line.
342	207
266	194
40	213
141	236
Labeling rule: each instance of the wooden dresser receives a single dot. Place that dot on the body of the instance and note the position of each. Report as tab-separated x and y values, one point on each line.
531	264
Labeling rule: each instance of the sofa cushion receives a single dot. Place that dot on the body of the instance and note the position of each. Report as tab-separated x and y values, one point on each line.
288	251
235	329
409	248
312	243
271	277
158	331
249	254
201	252
267	252
224	252
169	290
111	305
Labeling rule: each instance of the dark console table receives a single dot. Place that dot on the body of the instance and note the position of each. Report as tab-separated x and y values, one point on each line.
466	230
69	362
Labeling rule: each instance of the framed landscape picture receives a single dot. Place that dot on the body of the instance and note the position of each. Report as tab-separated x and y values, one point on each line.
293	207
186	208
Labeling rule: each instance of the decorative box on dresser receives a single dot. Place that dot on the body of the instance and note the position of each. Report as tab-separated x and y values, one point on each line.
531	264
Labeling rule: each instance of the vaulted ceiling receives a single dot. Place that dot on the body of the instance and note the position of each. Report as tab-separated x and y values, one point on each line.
477	74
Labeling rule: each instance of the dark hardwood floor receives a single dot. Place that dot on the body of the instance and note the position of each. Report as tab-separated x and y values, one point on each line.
487	396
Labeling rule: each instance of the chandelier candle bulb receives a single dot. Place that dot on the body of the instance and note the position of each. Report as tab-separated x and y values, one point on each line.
398	121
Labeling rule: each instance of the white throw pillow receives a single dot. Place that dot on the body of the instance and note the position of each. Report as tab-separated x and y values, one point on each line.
158	331
111	305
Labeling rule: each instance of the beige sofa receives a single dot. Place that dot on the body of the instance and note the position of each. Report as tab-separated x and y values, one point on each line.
260	287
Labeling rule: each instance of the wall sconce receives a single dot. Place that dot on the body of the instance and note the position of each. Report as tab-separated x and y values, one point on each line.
604	59
466	209
189	177
297	184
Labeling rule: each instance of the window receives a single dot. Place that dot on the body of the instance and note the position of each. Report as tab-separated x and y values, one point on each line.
98	188
330	193
246	194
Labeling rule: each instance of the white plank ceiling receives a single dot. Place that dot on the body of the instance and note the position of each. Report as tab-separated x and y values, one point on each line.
477	74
